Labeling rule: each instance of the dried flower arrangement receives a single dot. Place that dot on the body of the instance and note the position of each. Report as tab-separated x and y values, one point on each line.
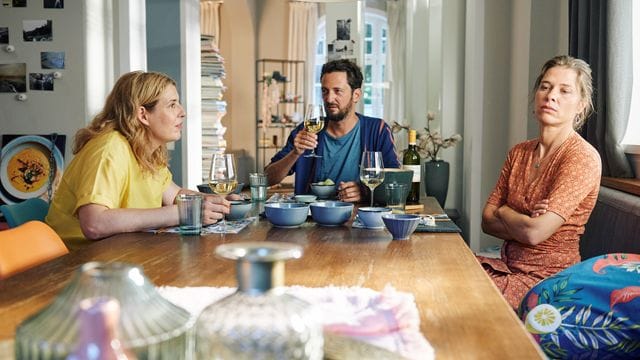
428	142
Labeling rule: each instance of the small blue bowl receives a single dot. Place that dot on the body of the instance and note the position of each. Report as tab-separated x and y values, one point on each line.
324	191
401	226
286	215
371	217
238	209
305	198
331	213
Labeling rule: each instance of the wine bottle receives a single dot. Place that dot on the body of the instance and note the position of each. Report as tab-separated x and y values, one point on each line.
411	161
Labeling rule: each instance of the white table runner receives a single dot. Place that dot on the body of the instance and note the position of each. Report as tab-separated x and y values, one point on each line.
388	320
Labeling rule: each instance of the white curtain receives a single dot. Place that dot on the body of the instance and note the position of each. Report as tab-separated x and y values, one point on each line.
396	56
303	23
210	19
394	99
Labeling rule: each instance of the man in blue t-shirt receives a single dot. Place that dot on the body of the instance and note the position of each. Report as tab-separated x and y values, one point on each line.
340	144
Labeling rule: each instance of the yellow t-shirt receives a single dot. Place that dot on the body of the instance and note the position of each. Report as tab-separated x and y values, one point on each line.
104	172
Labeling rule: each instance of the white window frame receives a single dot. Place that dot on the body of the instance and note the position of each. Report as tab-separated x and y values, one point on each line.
378	61
632	135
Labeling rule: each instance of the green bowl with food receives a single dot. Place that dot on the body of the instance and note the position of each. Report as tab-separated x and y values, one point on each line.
324	189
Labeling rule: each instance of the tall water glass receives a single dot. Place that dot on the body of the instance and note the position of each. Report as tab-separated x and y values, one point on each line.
372	170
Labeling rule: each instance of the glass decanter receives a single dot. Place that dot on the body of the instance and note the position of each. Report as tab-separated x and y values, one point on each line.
259	320
150	327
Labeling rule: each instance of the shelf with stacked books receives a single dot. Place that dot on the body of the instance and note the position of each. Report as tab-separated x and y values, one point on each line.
213	105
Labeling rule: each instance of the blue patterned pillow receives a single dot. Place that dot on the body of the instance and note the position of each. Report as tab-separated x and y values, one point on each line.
590	310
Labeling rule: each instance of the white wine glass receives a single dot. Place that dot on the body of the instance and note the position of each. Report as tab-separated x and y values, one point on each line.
314	122
372	170
223	177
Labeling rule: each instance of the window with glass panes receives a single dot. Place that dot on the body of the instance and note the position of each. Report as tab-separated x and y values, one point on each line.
375	58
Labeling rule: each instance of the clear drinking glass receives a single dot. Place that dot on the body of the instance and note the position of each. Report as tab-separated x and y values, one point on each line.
150	327
223	177
372	170
314	122
259	321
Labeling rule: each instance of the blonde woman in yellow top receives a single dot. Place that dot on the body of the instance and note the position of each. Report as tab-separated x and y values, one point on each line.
118	180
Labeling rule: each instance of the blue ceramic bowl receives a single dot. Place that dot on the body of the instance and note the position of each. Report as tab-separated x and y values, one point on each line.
239	209
371	217
286	214
324	191
305	198
401	226
331	213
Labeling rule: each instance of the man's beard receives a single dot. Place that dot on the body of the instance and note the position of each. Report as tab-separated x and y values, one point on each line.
340	115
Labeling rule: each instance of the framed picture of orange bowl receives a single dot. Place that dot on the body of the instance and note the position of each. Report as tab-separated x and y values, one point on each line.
27	166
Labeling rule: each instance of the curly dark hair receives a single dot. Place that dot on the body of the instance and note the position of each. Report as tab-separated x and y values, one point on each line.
354	74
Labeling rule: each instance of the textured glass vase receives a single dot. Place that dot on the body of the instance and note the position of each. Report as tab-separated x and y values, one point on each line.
259	321
149	327
98	320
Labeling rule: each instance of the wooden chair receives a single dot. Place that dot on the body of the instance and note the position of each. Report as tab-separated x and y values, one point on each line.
20	213
28	245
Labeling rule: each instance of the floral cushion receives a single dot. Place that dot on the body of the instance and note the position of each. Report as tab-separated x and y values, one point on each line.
588	311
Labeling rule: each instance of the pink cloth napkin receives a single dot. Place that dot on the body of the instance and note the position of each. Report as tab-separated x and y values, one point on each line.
388	319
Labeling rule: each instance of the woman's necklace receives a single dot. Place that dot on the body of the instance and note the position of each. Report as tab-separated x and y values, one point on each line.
539	159
538	162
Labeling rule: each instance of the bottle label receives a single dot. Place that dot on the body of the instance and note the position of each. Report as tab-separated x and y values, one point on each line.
416	171
412	137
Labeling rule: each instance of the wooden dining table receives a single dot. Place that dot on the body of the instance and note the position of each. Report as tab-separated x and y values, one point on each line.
462	313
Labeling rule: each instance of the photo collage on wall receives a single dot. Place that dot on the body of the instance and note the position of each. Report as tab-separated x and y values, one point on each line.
47	4
343	45
15	76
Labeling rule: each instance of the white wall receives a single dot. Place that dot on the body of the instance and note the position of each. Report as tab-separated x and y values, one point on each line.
238	47
61	110
90	34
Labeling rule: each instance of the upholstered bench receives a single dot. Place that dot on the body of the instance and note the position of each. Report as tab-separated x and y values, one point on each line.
614	225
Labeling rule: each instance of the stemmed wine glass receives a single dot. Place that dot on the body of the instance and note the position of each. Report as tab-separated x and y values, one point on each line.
372	170
314	122
223	177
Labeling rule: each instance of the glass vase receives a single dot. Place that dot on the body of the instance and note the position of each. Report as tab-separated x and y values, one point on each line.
98	320
150	327
259	321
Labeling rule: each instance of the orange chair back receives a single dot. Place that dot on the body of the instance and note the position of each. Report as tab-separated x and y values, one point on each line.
28	245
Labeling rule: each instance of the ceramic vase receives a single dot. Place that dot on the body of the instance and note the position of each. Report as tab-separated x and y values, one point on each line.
436	180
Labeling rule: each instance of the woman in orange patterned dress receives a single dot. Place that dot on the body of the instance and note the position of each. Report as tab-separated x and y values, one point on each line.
548	186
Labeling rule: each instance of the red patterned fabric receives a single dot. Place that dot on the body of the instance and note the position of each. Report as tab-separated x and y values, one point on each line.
570	179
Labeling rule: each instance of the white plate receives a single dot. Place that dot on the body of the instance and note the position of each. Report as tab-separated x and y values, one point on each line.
15	146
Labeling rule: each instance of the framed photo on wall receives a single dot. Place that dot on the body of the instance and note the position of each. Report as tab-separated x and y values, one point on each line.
29	164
